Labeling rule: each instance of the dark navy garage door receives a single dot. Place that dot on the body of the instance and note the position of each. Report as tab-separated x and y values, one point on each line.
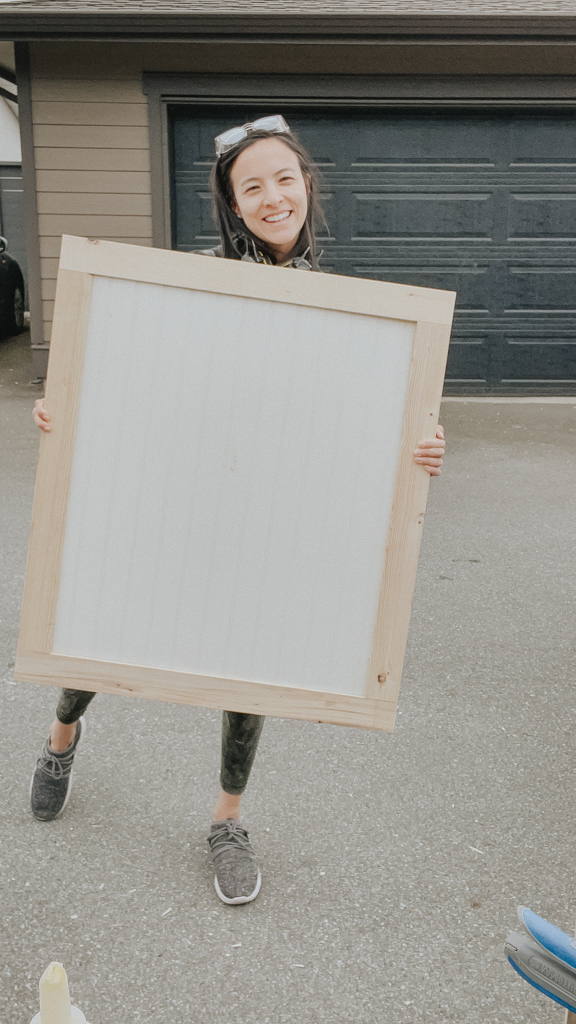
479	201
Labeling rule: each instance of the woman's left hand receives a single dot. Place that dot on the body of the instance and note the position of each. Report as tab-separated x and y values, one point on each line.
429	454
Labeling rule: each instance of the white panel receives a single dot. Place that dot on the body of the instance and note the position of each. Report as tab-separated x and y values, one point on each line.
231	486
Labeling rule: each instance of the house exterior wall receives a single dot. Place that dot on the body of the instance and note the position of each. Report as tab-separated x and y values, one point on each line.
89	120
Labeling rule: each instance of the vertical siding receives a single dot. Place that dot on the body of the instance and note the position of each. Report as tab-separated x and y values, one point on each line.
92	167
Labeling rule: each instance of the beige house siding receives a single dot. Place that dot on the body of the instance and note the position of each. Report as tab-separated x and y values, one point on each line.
92	166
90	118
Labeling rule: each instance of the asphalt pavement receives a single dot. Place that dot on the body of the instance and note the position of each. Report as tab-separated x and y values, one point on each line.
392	865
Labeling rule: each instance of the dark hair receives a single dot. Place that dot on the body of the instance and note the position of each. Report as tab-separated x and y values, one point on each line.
235	237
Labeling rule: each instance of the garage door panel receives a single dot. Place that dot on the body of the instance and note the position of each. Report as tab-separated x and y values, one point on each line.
546	288
543	141
195	223
328	141
412	138
472	284
428	215
336	206
328	202
538	217
539	359
195	146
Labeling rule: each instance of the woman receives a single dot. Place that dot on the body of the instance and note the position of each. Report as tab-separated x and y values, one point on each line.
266	199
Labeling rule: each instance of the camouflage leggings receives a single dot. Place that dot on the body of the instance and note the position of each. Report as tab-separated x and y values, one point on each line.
240	735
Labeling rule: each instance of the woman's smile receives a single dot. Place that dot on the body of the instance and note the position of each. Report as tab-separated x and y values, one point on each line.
275	218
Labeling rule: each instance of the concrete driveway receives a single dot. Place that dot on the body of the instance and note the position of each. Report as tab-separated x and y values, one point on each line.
392	865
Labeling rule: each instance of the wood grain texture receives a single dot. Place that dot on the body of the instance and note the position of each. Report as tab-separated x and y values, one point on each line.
205	691
72	311
429	356
353	295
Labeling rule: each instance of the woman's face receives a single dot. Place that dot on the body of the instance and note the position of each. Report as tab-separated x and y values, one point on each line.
270	193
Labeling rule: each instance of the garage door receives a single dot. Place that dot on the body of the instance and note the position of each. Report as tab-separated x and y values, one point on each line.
478	201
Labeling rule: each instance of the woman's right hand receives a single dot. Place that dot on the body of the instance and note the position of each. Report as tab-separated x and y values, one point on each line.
41	418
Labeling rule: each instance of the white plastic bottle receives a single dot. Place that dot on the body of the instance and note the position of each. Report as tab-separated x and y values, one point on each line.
55	1007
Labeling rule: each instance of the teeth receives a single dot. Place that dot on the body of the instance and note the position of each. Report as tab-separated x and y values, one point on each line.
276	217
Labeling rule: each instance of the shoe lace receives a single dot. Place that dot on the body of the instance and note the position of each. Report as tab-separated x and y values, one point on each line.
57	766
229	834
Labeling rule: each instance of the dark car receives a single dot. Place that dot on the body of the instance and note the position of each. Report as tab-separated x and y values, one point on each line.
11	294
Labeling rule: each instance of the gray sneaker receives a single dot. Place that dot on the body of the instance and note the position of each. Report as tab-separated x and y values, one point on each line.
238	877
52	779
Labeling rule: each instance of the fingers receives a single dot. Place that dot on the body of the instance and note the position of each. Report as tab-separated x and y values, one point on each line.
430	452
435	442
40	416
432	466
434	449
428	458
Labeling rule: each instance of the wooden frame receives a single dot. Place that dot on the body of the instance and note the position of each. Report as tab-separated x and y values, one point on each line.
84	262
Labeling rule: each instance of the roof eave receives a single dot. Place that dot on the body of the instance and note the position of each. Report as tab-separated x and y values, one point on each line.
26	26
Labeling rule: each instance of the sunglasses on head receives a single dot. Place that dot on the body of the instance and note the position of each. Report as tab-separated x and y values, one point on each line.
227	140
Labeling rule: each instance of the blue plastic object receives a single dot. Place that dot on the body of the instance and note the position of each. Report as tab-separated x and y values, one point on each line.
551	938
545	957
540	988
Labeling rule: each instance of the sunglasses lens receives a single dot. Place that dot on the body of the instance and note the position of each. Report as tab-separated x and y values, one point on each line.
231	137
268	124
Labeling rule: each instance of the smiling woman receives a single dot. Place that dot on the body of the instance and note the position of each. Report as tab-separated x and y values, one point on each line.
265	195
